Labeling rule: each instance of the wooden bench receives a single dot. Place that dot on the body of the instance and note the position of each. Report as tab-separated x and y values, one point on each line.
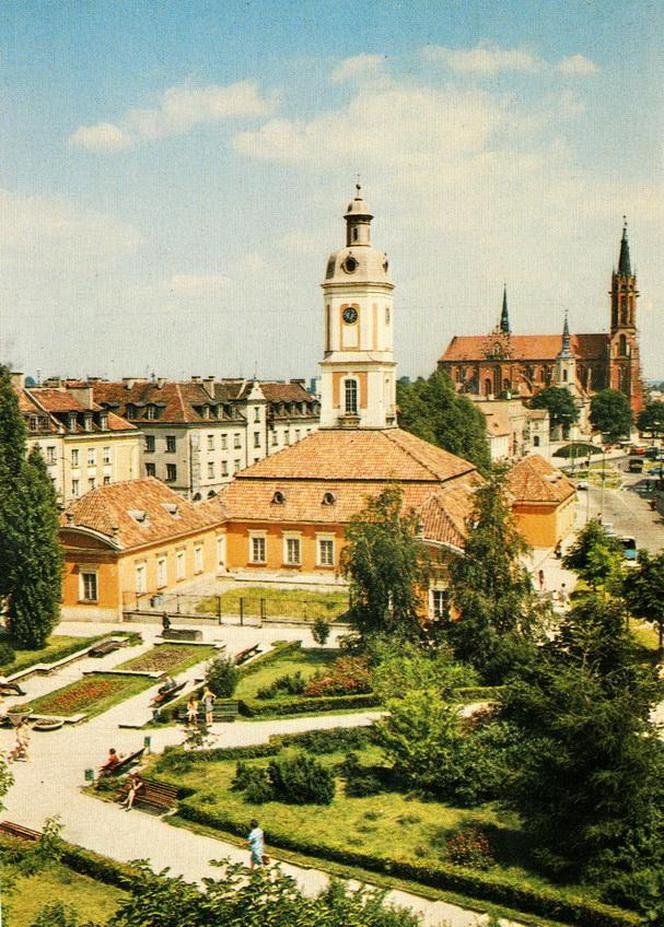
246	654
226	711
100	650
11	688
17	830
156	797
123	766
162	697
182	634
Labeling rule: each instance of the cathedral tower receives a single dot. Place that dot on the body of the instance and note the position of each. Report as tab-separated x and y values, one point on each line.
358	383
624	364
565	369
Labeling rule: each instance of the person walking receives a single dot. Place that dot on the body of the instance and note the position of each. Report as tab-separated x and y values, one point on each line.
540	579
256	842
20	751
208	704
192	709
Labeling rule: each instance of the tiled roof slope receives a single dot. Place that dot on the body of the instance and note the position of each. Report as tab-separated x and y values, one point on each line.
527	347
391	455
108	509
177	401
533	479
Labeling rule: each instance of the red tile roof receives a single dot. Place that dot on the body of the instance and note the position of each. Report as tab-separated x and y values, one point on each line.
527	347
178	403
107	510
533	479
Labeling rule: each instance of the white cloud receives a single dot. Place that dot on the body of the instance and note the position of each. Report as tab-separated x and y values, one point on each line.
179	110
577	66
102	137
357	66
195	285
484	59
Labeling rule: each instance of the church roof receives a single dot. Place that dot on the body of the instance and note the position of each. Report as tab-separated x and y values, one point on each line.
527	347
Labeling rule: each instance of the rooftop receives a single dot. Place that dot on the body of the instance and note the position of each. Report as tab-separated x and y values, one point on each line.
533	479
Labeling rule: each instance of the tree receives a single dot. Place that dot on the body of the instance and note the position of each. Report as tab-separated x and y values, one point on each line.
435	412
30	552
387	567
610	413
595	555
560	405
652	419
644	591
498	613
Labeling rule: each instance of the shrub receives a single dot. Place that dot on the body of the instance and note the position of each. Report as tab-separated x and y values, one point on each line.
320	631
469	846
297	706
301	779
346	676
291	684
7	654
365	783
254	782
222	676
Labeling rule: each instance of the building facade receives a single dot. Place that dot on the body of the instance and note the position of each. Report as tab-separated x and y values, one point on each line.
502	364
543	501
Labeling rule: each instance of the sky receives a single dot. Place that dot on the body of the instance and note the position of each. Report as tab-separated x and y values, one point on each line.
173	175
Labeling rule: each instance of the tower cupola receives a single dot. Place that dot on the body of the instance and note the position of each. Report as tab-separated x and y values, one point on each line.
358	221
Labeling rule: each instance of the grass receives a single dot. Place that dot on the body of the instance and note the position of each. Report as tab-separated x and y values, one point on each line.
306	661
169	658
93	901
284	603
91	695
390	824
57	647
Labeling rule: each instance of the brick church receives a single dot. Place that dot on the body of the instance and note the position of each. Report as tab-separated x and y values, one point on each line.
502	364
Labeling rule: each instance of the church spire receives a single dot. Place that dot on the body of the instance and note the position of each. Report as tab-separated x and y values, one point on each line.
504	315
624	263
566	350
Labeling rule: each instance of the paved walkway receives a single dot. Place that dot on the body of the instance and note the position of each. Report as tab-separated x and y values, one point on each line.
50	783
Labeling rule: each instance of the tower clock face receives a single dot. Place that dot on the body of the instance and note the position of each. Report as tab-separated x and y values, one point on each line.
350	315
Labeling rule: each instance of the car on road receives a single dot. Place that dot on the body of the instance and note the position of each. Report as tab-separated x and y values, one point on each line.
652	453
582	484
629	548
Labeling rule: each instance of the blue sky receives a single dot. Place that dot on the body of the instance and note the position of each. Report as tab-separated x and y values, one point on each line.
173	175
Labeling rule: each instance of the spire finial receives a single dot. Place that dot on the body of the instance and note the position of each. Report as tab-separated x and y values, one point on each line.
358	185
504	315
624	263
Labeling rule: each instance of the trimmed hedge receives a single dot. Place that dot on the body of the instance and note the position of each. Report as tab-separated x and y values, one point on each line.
547	902
254	708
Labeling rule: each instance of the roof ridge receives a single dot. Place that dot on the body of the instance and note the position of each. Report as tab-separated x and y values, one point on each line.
409	452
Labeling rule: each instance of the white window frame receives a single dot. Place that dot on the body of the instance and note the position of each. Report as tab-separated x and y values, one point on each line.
92	457
83	580
237	440
210	469
439	610
199	559
257	414
210	442
351	396
325	539
50	455
258	536
224	441
162	573
75	488
107	455
224	468
221	549
180	564
296	539
141	578
75	457
257	439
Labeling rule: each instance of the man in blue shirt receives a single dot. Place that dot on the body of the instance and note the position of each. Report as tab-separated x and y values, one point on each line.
256	841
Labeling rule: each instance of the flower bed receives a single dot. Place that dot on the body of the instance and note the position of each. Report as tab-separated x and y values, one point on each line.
90	695
168	658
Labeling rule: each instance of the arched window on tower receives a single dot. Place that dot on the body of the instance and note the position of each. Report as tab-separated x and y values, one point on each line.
488	387
350	390
622	346
565	375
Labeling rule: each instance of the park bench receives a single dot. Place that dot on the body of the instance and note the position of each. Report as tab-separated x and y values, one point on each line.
101	649
182	634
17	830
162	697
11	688
221	711
123	766
156	797
246	654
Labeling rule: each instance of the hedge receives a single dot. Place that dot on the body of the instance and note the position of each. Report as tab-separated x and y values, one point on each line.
547	902
253	708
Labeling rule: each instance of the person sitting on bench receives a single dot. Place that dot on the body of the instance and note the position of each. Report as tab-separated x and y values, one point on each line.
167	686
113	760
134	785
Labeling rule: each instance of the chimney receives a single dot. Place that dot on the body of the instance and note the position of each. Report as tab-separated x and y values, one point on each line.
18	380
128	382
195	378
298	381
83	394
208	386
160	382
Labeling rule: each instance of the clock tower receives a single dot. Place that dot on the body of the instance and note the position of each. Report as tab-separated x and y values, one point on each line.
358	382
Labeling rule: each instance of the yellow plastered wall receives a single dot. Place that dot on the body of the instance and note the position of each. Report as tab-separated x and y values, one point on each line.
239	533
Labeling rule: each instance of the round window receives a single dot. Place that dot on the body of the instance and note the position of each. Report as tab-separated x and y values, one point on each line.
350	265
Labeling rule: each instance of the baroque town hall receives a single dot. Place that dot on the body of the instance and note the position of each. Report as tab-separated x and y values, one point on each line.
503	364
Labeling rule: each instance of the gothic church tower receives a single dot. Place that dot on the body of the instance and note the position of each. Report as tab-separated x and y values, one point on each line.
624	364
358	382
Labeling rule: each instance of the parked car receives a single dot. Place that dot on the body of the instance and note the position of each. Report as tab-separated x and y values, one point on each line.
629	548
652	453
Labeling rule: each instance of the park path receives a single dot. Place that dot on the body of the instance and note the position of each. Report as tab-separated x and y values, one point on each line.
50	783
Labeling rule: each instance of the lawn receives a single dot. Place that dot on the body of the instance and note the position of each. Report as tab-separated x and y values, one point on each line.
57	647
389	825
303	604
169	658
93	901
306	661
90	695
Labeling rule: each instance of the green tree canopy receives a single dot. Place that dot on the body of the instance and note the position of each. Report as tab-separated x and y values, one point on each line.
610	413
435	412
595	556
499	614
644	591
387	567
651	419
30	553
560	405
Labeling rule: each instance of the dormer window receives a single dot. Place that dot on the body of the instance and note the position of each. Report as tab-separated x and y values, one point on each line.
87	421
278	498
34	423
71	421
329	498
139	515
131	410
103	421
172	508
151	412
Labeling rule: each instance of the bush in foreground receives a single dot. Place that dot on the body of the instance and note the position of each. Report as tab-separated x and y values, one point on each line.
222	676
